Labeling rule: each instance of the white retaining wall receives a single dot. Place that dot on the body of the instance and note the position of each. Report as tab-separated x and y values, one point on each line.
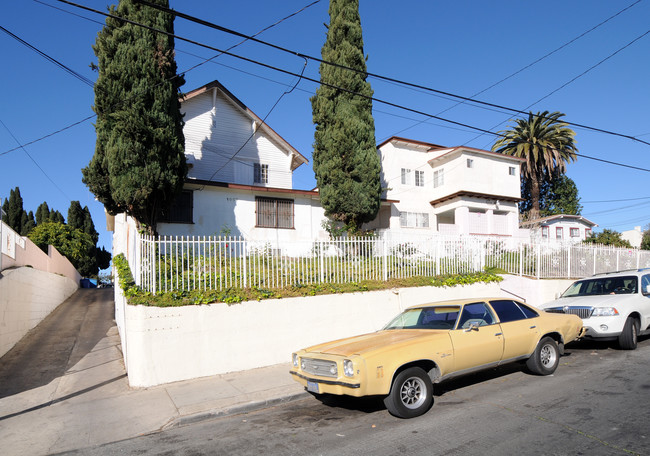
164	345
27	296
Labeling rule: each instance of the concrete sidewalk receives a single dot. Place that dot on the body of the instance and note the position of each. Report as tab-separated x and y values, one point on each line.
92	403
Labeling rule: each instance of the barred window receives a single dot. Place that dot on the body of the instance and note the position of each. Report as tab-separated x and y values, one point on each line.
260	173
274	212
181	210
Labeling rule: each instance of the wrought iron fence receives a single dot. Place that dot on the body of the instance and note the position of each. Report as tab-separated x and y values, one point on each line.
180	263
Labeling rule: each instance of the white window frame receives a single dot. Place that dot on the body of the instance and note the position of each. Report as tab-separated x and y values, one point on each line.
406	176
470	163
545	232
511	171
413	219
260	173
574	232
419	178
559	232
438	178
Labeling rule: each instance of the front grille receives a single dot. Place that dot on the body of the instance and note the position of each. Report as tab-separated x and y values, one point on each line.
582	312
319	367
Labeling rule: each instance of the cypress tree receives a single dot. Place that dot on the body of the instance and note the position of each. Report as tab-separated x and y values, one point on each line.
139	161
15	214
42	213
346	163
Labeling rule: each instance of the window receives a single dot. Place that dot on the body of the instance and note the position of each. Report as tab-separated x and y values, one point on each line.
587	232
511	171
260	173
645	283
413	220
559	233
406	176
476	313
181	210
545	232
470	163
575	232
274	212
419	178
438	178
508	310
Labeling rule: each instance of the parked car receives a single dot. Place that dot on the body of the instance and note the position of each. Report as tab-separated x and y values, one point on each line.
431	343
613	306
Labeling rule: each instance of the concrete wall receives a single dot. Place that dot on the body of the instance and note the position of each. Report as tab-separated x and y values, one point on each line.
27	296
163	345
532	291
20	251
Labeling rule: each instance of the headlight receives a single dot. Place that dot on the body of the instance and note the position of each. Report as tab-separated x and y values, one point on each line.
604	312
294	359
348	368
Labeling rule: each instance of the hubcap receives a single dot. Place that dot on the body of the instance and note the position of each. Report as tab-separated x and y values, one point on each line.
413	393
547	356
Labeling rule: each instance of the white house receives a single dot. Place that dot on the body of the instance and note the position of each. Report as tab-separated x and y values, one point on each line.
240	182
458	190
240	177
561	227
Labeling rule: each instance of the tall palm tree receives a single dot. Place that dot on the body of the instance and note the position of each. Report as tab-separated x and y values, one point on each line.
547	145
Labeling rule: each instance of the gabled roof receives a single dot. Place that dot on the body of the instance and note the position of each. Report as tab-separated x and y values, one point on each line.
297	158
399	139
552	218
460	149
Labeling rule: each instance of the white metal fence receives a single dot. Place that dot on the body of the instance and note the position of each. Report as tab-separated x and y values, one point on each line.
215	263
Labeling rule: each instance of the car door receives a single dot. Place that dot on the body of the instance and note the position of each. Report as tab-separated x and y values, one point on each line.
477	339
520	331
645	304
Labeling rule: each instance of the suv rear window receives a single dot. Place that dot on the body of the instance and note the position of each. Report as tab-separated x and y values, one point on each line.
603	286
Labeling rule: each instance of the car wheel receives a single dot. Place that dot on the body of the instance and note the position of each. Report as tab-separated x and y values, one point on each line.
545	359
628	338
411	393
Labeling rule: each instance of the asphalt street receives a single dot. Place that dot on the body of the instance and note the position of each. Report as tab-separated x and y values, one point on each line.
595	404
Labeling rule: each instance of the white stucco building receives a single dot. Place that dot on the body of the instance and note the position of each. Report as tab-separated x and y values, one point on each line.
457	190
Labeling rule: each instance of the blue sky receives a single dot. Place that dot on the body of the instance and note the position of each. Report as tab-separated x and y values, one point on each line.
463	47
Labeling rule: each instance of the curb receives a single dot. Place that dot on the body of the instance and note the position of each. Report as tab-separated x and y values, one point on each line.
234	410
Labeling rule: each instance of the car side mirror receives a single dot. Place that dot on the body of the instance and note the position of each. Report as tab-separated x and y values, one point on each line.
472	327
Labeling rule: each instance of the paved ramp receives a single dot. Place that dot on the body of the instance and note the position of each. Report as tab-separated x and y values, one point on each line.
62	339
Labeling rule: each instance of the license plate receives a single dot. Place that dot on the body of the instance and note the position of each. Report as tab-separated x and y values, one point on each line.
312	387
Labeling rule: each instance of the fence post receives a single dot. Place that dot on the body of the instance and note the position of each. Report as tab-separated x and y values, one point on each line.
521	259
385	258
244	251
568	263
321	262
538	260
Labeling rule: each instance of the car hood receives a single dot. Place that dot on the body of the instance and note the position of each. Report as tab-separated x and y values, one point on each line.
358	345
591	301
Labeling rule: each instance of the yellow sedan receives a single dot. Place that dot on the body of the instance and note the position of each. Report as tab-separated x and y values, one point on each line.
431	343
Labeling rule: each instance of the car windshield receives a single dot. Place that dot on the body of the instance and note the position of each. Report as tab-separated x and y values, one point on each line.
602	286
438	317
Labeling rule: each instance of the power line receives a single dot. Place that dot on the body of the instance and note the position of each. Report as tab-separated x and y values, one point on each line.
82	78
530	65
331	85
32	159
386	78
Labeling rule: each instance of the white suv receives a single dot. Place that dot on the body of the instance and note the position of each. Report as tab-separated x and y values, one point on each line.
613	306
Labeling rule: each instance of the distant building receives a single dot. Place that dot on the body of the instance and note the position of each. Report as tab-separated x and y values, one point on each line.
560	227
634	236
